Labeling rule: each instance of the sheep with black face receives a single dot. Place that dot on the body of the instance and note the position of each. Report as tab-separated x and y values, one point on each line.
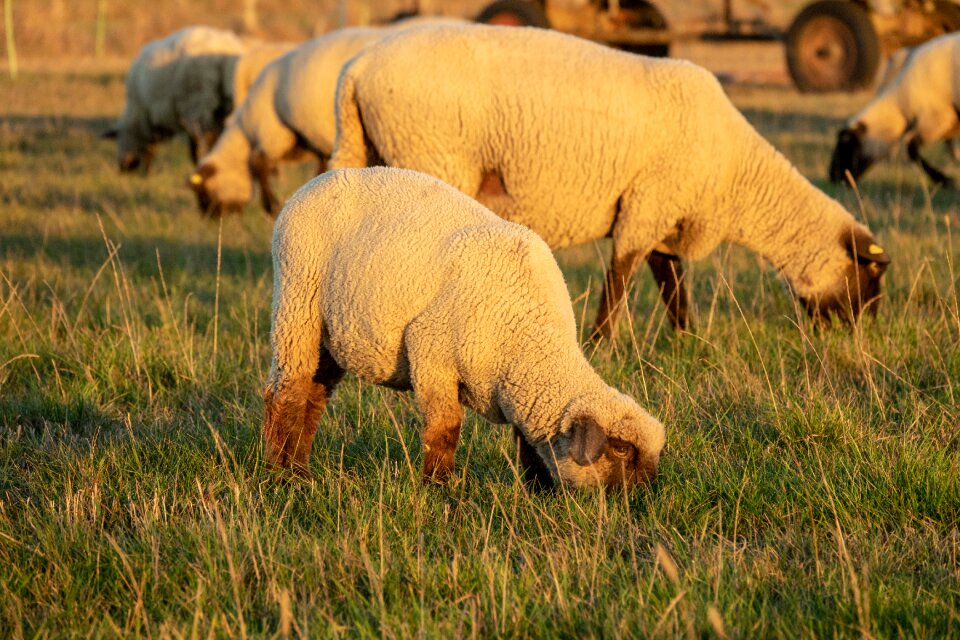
406	282
183	82
580	142
918	105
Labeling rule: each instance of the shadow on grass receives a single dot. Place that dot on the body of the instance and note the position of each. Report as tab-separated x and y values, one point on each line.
35	130
138	254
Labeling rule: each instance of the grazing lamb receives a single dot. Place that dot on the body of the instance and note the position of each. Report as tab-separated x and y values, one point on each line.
919	105
404	281
183	82
579	142
288	116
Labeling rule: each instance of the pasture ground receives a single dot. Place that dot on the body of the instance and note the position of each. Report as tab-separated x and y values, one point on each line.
811	486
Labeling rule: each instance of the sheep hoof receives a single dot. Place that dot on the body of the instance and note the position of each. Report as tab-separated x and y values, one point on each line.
437	473
292	475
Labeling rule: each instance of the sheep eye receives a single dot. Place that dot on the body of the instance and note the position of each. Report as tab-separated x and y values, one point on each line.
622	450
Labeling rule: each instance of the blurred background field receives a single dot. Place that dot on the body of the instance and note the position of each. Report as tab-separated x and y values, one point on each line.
113	28
811	486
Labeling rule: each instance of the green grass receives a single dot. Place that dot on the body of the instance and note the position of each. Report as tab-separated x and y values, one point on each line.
811	485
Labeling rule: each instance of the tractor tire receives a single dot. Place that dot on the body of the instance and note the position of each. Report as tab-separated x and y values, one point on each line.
647	17
946	16
832	46
514	13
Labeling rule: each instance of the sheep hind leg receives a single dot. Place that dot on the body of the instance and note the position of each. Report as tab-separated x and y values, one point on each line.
668	272
913	152
292	411
622	267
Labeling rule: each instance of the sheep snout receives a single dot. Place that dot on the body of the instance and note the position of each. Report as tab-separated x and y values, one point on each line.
849	156
858	291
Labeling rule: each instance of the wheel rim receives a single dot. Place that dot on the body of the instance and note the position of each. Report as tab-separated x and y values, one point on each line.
506	19
827	52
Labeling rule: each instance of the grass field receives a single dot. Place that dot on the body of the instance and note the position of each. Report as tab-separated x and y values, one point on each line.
811	486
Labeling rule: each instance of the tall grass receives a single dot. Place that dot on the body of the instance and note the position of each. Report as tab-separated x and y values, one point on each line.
811	485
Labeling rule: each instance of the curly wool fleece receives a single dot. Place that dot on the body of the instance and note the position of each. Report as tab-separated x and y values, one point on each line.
585	142
405	282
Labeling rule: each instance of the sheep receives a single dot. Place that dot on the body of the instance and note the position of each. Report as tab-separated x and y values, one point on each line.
289	116
251	62
407	283
579	142
182	82
918	105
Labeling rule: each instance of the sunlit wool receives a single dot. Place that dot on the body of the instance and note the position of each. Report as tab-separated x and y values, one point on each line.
405	282
183	82
289	111
589	142
916	105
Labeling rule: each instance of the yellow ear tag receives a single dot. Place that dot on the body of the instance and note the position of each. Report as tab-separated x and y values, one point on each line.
198	179
875	249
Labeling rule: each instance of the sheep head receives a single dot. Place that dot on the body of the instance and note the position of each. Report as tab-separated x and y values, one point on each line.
135	146
604	448
851	154
217	192
858	286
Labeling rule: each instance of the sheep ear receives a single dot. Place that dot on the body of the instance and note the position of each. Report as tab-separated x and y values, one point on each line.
111	133
849	134
201	175
587	441
864	249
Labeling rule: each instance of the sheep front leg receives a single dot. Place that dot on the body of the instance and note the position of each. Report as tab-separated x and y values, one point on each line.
261	167
668	272
622	267
292	409
194	148
535	472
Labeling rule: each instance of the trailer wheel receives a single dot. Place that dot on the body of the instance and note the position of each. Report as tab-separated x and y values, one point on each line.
947	16
831	46
514	13
644	15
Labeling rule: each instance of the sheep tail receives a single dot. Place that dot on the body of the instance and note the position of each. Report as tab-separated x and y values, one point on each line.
350	149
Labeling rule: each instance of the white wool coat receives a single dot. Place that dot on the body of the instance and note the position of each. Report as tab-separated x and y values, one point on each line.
408	283
590	142
183	82
249	65
920	101
290	108
290	104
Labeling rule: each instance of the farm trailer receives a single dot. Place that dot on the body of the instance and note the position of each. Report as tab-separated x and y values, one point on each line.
830	45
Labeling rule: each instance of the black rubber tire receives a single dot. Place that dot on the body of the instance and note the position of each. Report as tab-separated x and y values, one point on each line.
520	13
832	46
648	17
948	16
